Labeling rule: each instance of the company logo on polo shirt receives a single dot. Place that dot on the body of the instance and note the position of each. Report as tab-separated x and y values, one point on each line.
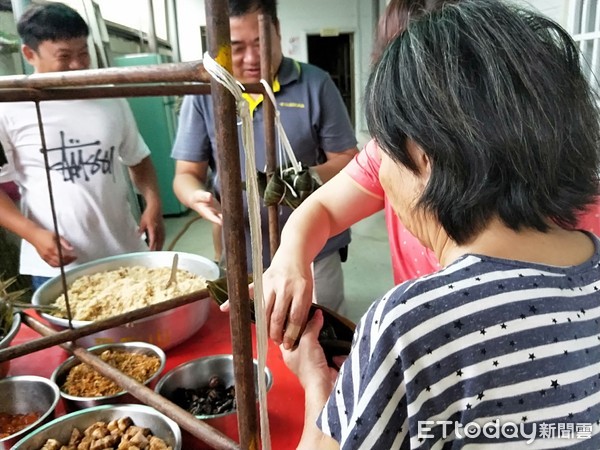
292	105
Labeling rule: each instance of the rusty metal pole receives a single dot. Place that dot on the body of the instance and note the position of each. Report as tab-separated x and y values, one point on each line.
38	95
219	46
61	337
159	73
266	73
198	428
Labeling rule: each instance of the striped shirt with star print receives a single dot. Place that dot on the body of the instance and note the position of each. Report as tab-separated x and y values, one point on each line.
510	347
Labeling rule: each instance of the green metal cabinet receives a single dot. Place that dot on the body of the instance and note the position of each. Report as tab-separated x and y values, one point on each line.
157	122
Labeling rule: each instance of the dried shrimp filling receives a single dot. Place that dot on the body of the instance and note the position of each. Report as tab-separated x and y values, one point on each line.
83	381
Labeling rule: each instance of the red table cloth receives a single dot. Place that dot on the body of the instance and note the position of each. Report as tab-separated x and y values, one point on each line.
285	399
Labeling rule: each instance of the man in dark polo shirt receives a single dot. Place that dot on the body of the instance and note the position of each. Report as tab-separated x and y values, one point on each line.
313	116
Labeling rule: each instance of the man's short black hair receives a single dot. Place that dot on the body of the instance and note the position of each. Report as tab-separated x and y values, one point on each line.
239	8
496	98
50	22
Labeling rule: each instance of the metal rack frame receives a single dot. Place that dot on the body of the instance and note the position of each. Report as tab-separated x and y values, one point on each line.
175	79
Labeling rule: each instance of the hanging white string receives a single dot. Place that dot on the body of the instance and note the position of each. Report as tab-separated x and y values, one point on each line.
282	138
243	109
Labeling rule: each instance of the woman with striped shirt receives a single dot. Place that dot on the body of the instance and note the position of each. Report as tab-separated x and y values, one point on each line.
488	134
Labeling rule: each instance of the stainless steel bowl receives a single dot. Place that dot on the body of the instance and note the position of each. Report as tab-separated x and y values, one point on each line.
166	329
6	340
142	415
196	373
73	402
26	394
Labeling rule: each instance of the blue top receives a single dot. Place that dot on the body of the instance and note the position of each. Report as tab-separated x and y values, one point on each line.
314	118
482	340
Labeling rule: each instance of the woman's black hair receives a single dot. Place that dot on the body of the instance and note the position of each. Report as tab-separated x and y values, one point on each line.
50	22
495	96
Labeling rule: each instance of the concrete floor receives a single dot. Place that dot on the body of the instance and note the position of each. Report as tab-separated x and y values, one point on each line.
367	273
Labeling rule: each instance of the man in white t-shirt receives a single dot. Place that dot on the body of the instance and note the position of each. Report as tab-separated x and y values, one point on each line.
90	144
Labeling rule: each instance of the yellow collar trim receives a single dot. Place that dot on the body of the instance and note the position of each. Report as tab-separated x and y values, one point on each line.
257	100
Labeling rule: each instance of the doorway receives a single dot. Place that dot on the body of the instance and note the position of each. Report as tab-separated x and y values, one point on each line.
335	55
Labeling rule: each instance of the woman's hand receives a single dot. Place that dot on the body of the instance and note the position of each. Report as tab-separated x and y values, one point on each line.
307	361
288	293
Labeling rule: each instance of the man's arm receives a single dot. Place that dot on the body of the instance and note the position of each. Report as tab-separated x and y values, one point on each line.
43	240
336	161
144	178
334	129
189	186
